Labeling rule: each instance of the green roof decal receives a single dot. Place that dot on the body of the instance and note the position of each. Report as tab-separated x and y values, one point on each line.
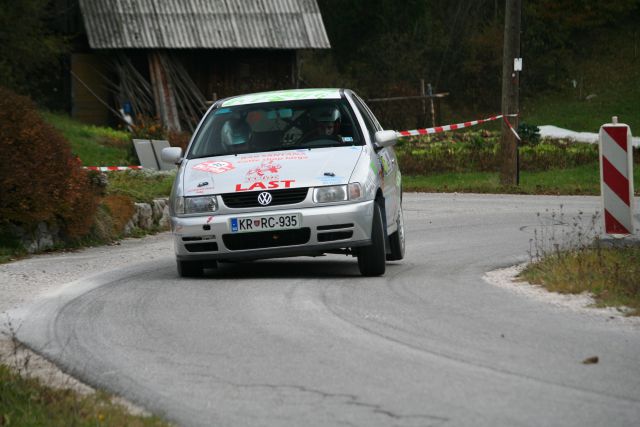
283	95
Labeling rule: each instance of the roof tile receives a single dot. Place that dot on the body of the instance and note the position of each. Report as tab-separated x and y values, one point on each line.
204	24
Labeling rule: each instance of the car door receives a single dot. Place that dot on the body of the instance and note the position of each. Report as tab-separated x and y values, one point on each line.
388	162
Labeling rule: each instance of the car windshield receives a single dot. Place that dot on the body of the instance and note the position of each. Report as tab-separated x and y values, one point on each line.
275	126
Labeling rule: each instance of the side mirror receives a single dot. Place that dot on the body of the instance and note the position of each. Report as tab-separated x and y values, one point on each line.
385	138
171	155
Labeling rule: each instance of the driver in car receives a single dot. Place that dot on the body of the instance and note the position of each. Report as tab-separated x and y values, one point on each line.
325	124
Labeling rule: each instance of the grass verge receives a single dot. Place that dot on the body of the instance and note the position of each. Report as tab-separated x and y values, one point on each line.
95	145
611	275
567	110
141	186
581	180
26	402
10	248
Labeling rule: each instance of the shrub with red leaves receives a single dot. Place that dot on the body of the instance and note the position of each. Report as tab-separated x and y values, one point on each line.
40	179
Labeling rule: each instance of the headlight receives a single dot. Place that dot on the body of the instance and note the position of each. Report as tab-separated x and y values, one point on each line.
203	204
337	193
334	193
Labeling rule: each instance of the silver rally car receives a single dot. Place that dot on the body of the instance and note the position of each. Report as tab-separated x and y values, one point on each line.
287	173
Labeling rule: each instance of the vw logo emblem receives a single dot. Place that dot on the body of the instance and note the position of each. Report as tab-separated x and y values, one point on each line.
264	198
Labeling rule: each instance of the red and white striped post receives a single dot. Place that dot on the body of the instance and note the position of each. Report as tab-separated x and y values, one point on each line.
616	177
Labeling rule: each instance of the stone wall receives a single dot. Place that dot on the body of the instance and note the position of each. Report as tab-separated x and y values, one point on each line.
44	236
147	216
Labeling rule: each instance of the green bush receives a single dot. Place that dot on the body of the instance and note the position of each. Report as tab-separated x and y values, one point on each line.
478	152
529	134
40	179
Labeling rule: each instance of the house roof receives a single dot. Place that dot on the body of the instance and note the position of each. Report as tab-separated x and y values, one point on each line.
283	95
209	24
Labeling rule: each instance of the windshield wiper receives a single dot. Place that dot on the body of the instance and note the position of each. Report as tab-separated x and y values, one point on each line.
207	155
283	148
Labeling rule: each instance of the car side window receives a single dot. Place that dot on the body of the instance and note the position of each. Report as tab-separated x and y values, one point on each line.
372	117
370	125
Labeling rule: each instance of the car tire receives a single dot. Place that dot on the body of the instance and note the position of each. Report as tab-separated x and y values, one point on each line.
190	268
396	240
371	259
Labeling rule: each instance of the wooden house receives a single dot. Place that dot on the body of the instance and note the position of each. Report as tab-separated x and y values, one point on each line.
169	57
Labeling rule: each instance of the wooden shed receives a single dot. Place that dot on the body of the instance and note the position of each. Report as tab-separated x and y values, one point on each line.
168	57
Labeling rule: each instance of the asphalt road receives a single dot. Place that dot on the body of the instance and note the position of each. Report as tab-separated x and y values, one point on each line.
308	342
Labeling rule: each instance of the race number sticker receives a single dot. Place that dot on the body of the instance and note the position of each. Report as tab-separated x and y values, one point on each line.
214	166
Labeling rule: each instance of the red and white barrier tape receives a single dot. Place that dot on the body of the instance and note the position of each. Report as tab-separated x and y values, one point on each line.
112	168
511	127
438	129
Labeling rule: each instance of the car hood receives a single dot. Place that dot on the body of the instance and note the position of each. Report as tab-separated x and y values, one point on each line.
270	170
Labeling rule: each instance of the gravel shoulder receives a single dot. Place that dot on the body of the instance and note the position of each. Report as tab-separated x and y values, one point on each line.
24	281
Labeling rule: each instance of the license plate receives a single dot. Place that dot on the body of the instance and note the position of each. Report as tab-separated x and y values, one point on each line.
264	223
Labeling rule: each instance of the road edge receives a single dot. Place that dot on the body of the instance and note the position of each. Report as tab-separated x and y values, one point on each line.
584	303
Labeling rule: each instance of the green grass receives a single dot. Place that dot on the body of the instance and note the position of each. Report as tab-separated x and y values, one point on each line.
611	275
141	186
26	402
610	73
566	111
10	248
582	180
8	254
96	146
103	146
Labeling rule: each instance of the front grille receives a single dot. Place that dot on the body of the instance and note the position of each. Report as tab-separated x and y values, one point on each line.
287	196
201	247
266	239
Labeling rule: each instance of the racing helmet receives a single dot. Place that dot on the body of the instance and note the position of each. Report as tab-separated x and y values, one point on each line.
327	119
235	135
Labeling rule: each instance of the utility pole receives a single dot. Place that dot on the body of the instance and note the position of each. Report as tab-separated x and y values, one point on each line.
510	89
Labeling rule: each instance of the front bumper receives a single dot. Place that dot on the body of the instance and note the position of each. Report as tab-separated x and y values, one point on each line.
323	228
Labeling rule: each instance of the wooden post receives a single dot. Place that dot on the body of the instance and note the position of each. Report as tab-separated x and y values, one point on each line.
294	70
163	93
299	64
433	110
510	85
423	93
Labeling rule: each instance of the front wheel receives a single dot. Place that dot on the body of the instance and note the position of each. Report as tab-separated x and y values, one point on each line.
396	240
371	259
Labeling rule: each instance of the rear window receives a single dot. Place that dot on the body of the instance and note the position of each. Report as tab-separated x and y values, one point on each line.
276	126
